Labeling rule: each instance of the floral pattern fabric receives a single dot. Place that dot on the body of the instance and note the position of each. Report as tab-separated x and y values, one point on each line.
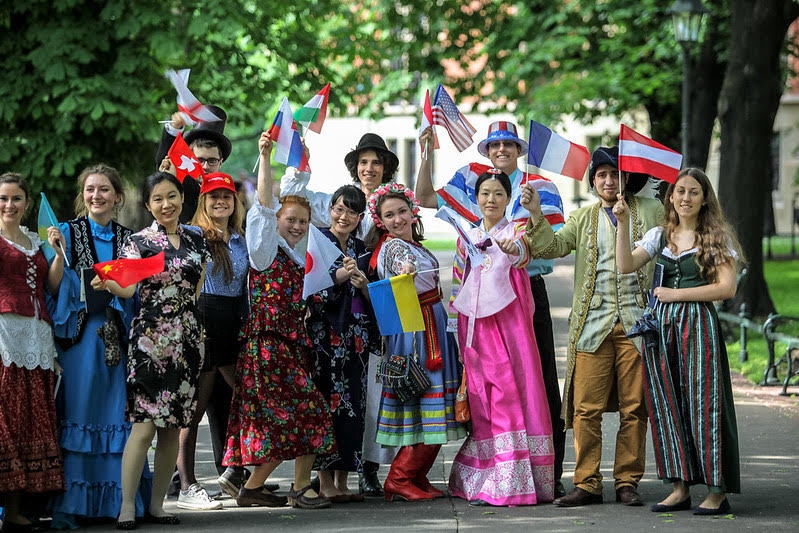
164	357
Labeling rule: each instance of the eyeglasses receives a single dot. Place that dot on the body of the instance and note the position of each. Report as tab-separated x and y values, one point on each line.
342	211
212	161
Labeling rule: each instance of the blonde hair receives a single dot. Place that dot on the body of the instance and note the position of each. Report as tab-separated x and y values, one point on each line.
215	238
113	177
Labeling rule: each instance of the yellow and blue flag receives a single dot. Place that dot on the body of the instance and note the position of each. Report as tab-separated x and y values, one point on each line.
396	305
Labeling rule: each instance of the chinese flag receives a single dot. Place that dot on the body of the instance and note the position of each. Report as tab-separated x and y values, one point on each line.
186	163
129	271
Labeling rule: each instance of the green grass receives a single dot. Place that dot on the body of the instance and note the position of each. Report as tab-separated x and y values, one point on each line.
781	246
782	278
439	245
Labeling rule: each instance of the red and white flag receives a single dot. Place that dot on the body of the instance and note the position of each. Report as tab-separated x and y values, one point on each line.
319	256
189	106
639	153
445	113
312	115
427	121
186	163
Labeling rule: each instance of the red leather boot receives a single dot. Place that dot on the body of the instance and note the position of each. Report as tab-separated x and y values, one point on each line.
399	480
428	454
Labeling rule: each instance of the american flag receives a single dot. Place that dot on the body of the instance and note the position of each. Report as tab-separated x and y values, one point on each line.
446	114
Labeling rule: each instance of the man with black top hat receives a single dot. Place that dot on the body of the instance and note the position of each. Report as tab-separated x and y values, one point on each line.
503	147
210	146
604	370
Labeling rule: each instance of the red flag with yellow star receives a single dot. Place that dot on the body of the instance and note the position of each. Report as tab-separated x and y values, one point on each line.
129	271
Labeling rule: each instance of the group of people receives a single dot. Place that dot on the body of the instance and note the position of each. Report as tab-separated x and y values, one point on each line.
92	370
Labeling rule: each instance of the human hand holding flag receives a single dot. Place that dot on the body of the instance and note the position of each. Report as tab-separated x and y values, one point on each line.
189	106
186	163
427	122
312	115
448	215
289	148
46	219
129	271
639	153
319	256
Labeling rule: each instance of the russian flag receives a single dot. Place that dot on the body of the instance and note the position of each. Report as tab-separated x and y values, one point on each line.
396	305
288	144
555	155
639	153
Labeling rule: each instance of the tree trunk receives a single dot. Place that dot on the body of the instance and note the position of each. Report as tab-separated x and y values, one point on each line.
747	106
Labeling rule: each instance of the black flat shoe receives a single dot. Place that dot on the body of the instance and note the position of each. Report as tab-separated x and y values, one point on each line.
33	527
479	503
127	525
166	520
684	505
723	508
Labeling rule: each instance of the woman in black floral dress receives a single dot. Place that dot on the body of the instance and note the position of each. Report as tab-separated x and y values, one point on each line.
164	359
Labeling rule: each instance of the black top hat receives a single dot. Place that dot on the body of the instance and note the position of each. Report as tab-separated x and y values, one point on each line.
372	141
214	131
605	155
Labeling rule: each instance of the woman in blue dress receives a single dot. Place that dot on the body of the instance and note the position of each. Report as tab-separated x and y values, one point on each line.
91	399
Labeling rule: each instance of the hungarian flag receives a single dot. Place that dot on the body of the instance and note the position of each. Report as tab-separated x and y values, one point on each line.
319	256
553	155
639	153
288	144
129	271
312	115
445	113
186	163
189	106
427	121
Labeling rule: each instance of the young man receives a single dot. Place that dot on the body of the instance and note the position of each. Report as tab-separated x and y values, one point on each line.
503	148
604	370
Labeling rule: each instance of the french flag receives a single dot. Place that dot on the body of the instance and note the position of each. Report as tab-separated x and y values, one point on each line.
639	153
553	155
288	144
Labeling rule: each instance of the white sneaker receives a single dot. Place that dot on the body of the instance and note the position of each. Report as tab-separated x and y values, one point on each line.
197	498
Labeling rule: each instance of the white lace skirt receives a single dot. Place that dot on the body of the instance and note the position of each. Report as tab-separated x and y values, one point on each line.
26	341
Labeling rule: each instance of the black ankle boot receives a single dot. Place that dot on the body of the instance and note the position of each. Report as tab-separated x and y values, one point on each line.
368	481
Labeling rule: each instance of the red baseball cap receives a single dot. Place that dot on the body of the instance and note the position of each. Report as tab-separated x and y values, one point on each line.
217	180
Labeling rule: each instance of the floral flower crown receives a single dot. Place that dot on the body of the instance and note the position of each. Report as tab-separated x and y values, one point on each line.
397	188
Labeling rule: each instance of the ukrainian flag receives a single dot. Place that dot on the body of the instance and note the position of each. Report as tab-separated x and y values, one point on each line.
396	305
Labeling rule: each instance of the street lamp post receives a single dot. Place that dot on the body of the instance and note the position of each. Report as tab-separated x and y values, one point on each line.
687	19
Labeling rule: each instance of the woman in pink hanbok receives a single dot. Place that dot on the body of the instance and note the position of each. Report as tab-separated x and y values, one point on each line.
508	459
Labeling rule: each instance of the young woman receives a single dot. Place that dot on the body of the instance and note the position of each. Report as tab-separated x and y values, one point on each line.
342	328
164	358
277	413
93	433
507	396
219	218
29	450
688	389
420	426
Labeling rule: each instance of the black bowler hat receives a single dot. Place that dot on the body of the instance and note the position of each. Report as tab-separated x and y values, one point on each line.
372	141
214	131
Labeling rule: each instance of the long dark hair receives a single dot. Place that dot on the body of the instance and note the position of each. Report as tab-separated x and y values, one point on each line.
151	181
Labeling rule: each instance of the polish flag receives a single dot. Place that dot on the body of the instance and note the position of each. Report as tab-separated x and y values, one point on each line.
288	144
319	256
427	121
312	115
189	106
638	153
186	163
553	155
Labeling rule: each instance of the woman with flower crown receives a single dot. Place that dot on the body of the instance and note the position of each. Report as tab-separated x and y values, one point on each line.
421	425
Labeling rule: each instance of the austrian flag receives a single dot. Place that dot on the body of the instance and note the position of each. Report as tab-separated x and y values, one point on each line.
638	153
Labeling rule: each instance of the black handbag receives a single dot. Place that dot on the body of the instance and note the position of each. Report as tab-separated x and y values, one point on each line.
405	375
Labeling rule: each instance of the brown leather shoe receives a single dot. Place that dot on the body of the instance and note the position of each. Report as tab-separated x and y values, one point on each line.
577	498
627	495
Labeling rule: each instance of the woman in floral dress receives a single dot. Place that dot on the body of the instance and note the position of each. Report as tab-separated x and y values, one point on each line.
277	413
164	358
343	331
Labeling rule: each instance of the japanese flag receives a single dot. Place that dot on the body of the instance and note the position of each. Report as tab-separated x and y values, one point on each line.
320	255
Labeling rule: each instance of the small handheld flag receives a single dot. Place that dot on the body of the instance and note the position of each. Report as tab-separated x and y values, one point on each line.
288	144
189	106
639	153
129	271
312	115
46	219
445	113
427	121
396	305
448	215
186	163
552	154
320	254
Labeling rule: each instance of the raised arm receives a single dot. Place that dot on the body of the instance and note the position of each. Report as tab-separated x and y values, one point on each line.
265	196
425	192
627	259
